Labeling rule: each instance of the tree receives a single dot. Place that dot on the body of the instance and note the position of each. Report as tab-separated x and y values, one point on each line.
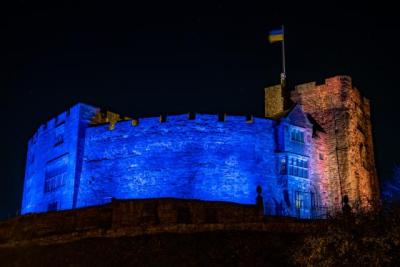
368	239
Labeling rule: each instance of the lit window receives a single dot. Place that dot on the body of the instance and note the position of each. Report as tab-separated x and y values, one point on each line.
55	173
59	140
298	167
298	200
54	182
59	135
297	136
54	179
282	168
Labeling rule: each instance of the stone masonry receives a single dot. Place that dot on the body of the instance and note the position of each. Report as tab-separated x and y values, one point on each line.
346	144
306	157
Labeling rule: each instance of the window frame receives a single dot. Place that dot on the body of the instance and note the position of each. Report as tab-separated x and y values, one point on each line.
297	135
298	167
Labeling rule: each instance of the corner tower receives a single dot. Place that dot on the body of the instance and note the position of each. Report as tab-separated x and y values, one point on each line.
345	117
54	161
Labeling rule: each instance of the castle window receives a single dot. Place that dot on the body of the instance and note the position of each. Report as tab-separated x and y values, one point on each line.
59	135
283	167
298	200
52	183
298	167
52	206
297	136
55	174
59	140
59	122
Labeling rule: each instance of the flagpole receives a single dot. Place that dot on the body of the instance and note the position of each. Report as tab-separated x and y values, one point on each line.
283	74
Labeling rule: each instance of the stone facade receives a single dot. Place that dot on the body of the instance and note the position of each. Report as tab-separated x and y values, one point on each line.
346	145
54	160
87	156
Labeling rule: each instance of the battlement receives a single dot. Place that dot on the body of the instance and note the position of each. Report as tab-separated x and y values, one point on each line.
332	84
51	124
332	92
336	92
60	119
115	119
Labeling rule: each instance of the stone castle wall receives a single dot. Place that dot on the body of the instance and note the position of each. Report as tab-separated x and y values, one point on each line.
196	159
345	117
54	160
192	157
305	157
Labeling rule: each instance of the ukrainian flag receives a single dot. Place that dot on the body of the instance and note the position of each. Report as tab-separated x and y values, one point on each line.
276	36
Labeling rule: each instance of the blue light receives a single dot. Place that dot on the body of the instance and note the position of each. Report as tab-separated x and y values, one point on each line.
199	159
202	159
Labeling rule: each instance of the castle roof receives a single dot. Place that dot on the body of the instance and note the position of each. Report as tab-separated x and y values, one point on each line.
297	116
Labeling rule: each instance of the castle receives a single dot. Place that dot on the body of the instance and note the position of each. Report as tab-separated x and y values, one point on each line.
313	147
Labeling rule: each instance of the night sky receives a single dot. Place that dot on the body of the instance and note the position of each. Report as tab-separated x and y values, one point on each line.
167	58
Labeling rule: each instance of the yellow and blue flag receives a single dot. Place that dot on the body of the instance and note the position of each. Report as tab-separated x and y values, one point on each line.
276	35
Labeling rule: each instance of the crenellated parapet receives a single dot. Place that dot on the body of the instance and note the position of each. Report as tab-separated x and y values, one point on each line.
113	119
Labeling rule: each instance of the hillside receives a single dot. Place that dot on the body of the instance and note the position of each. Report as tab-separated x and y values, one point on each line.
221	248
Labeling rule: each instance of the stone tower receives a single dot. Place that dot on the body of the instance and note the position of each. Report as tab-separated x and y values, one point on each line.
54	161
344	115
277	99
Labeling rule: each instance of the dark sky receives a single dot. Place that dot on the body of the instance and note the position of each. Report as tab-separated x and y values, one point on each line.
144	59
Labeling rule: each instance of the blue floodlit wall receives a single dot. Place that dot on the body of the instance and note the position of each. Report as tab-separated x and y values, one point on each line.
71	164
54	161
202	159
